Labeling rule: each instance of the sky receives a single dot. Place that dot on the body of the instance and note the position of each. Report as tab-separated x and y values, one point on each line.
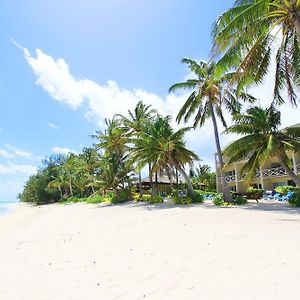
67	65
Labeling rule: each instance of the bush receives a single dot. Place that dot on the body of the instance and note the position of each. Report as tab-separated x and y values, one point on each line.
156	199
183	200
295	199
285	189
218	200
197	197
98	199
240	200
144	198
254	190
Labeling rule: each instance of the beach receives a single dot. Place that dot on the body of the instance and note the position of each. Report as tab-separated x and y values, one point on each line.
140	251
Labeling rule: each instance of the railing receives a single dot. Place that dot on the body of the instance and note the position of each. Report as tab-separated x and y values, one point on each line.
267	173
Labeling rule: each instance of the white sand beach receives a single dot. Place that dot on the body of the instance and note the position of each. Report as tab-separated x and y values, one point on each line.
137	251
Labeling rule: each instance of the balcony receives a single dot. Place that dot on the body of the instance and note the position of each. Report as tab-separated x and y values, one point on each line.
267	173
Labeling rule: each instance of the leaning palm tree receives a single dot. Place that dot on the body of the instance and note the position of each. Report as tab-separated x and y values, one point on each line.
208	99
246	34
164	149
136	122
262	140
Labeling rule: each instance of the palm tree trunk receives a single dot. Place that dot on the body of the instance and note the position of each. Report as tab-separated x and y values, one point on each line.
289	171
60	191
140	184
93	189
71	189
150	178
226	192
187	180
297	27
176	174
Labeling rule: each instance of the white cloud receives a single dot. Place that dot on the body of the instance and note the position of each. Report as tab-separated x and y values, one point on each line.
63	150
11	168
103	101
9	151
54	126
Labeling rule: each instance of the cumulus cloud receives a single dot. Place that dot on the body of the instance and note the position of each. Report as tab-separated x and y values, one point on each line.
63	150
10	168
53	126
104	100
9	151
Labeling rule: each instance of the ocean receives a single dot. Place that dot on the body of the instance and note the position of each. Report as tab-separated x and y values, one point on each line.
4	208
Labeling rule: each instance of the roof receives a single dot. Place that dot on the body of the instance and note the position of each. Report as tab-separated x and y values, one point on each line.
163	179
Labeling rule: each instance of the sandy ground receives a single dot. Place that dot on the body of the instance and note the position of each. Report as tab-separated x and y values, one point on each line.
137	251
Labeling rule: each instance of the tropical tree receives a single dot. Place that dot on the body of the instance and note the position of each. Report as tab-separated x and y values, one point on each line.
116	172
262	140
246	34
164	149
208	99
116	164
204	175
136	122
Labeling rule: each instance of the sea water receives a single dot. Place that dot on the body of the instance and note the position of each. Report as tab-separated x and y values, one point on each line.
4	208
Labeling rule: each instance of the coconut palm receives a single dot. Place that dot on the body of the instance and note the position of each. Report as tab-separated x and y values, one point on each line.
262	140
164	149
203	175
136	123
246	35
116	171
208	99
114	138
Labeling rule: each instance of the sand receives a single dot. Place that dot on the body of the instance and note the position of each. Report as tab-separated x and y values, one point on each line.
137	251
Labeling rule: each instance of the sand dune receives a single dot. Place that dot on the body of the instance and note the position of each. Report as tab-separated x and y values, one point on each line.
138	251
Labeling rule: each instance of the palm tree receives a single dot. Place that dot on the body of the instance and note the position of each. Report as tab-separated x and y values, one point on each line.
203	175
262	140
116	171
164	149
208	99
246	35
136	123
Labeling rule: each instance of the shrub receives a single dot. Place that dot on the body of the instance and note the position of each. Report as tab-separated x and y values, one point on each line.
240	200
295	199
197	197
144	198
218	200
97	199
254	190
156	199
285	189
183	200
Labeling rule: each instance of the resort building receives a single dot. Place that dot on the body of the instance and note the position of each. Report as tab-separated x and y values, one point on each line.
267	178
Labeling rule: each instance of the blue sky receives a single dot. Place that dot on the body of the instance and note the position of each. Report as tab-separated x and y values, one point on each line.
66	65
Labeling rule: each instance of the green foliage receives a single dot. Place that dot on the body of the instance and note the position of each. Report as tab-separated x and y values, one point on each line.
295	199
75	199
144	198
240	200
122	196
218	200
251	189
285	189
244	36
197	197
262	139
183	200
156	199
98	199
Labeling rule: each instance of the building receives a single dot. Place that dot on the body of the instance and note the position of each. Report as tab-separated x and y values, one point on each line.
267	178
161	183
